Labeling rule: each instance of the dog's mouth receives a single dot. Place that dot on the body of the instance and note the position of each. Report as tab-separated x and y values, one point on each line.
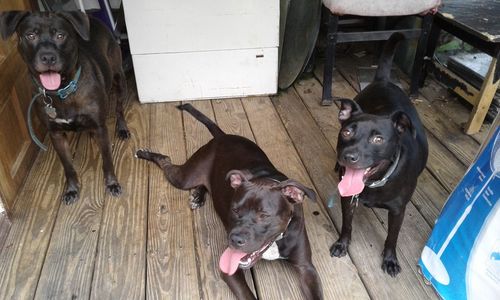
353	181
50	80
232	259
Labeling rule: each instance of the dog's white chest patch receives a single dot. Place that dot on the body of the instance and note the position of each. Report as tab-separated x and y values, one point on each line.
62	121
272	252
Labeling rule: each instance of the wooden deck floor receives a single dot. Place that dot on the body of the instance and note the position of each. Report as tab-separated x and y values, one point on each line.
149	244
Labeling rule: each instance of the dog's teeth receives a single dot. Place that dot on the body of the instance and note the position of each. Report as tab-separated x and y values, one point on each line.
246	262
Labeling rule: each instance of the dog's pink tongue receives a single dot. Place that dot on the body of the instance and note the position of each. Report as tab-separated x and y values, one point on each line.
50	80
352	182
230	260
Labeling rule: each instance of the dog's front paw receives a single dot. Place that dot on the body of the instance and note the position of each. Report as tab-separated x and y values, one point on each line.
339	249
197	197
114	189
122	129
70	197
123	134
390	264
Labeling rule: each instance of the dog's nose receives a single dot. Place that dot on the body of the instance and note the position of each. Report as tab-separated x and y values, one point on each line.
48	58
238	239
352	157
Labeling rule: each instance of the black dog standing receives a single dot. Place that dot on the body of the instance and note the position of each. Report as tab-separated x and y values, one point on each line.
75	63
258	205
381	151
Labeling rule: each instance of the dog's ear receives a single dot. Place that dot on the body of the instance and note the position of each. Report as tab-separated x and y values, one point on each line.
348	108
237	177
402	123
295	191
79	21
9	20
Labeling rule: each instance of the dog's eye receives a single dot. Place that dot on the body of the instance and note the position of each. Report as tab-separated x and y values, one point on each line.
60	36
263	216
377	140
30	36
346	133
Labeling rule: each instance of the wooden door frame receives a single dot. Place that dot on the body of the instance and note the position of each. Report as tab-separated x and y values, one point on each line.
6	205
2	205
5	224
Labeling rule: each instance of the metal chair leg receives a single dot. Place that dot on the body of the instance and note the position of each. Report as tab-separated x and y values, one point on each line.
327	98
421	69
419	55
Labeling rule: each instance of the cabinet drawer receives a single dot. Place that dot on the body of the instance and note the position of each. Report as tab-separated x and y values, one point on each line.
165	26
206	75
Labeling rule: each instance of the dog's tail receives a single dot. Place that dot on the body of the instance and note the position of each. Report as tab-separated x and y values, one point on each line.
212	127
385	62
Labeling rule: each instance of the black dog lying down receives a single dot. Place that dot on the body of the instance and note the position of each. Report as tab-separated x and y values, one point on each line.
259	206
381	151
75	63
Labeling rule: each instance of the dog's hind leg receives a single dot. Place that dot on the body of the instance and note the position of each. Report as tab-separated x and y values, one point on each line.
183	177
120	84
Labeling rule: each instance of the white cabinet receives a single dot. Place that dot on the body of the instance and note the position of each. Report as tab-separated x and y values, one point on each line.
202	49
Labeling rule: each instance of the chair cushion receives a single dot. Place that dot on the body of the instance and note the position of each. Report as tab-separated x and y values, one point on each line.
380	8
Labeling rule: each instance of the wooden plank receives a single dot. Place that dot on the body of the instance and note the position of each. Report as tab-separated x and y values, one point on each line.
209	232
448	129
5	225
33	218
449	134
171	260
121	253
442	165
449	105
339	277
69	261
462	88
484	99
368	233
429	197
18	151
231	117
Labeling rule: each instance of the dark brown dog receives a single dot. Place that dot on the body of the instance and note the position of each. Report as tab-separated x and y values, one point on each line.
75	63
259	206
